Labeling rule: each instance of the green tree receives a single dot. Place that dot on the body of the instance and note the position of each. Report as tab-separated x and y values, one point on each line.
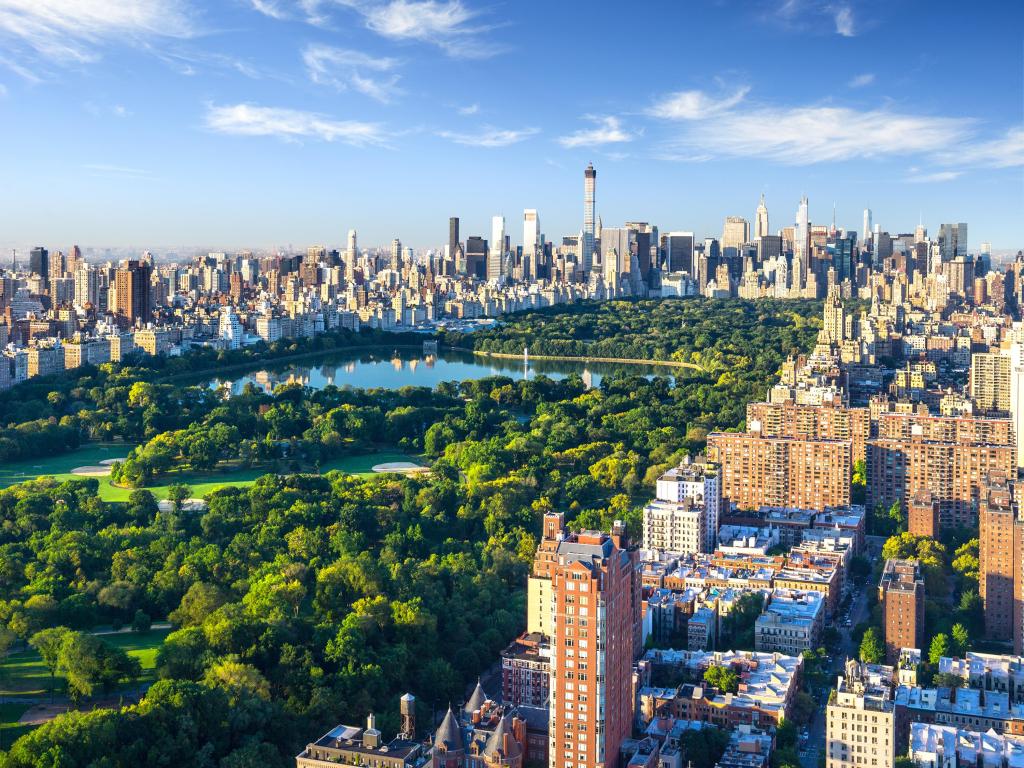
47	643
960	639
939	647
871	649
724	679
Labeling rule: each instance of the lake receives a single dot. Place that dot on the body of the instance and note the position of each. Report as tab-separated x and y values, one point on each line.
398	369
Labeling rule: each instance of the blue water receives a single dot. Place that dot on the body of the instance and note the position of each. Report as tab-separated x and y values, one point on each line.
396	370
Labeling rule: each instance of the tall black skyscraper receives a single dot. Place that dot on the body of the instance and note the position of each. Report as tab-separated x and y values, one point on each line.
39	263
453	235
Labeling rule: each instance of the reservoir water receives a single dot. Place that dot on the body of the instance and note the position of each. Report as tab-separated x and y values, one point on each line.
393	370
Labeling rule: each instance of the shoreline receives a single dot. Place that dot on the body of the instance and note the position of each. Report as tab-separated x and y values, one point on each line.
574	359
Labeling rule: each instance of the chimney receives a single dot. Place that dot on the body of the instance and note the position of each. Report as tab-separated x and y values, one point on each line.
371	736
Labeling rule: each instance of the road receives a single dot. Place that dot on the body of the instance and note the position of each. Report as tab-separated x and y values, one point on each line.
858	613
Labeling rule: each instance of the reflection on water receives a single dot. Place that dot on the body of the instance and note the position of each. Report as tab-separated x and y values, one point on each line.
396	370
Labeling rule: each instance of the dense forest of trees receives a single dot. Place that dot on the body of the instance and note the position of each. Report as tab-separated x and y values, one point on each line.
306	600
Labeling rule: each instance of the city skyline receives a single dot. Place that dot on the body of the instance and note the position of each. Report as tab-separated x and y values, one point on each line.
259	124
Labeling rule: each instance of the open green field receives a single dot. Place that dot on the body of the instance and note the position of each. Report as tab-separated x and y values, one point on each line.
23	673
59	467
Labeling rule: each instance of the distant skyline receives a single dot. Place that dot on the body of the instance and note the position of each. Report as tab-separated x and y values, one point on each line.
263	123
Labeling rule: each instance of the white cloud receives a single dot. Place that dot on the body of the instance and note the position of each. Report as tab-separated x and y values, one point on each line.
694	105
933	178
490	136
1007	151
807	135
608	130
343	69
290	124
844	21
471	109
269	8
861	81
70	31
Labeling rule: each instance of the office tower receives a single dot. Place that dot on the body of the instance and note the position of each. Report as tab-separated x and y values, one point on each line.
621	242
813	422
396	254
920	234
990	382
39	263
476	257
946	456
1000	559
761	220
595	617
768	247
801	246
133	292
844	256
866	231
531	232
952	240
589	189
760	471
901	593
860	724
735	232
497	248
679	252
453	236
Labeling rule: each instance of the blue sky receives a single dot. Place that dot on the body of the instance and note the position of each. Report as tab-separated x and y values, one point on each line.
261	123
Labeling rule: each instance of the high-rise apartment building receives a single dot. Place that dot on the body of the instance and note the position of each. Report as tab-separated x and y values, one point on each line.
990	382
697	482
761	220
396	254
762	471
133	292
945	456
813	422
496	251
865	233
595	618
801	246
901	594
589	191
860	722
1000	560
453	236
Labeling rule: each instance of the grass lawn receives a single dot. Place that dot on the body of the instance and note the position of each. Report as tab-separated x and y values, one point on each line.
14	472
10	730
23	673
201	483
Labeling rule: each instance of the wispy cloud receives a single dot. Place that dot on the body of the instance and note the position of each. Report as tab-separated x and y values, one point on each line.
1006	151
73	31
844	21
608	130
695	105
860	81
120	171
343	69
490	137
915	177
470	109
448	24
291	125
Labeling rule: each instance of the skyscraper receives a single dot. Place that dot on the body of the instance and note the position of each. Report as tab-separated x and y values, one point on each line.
679	252
396	254
531	232
801	246
453	236
353	251
866	232
735	232
133	292
761	220
39	263
594	616
589	189
901	593
952	240
497	248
